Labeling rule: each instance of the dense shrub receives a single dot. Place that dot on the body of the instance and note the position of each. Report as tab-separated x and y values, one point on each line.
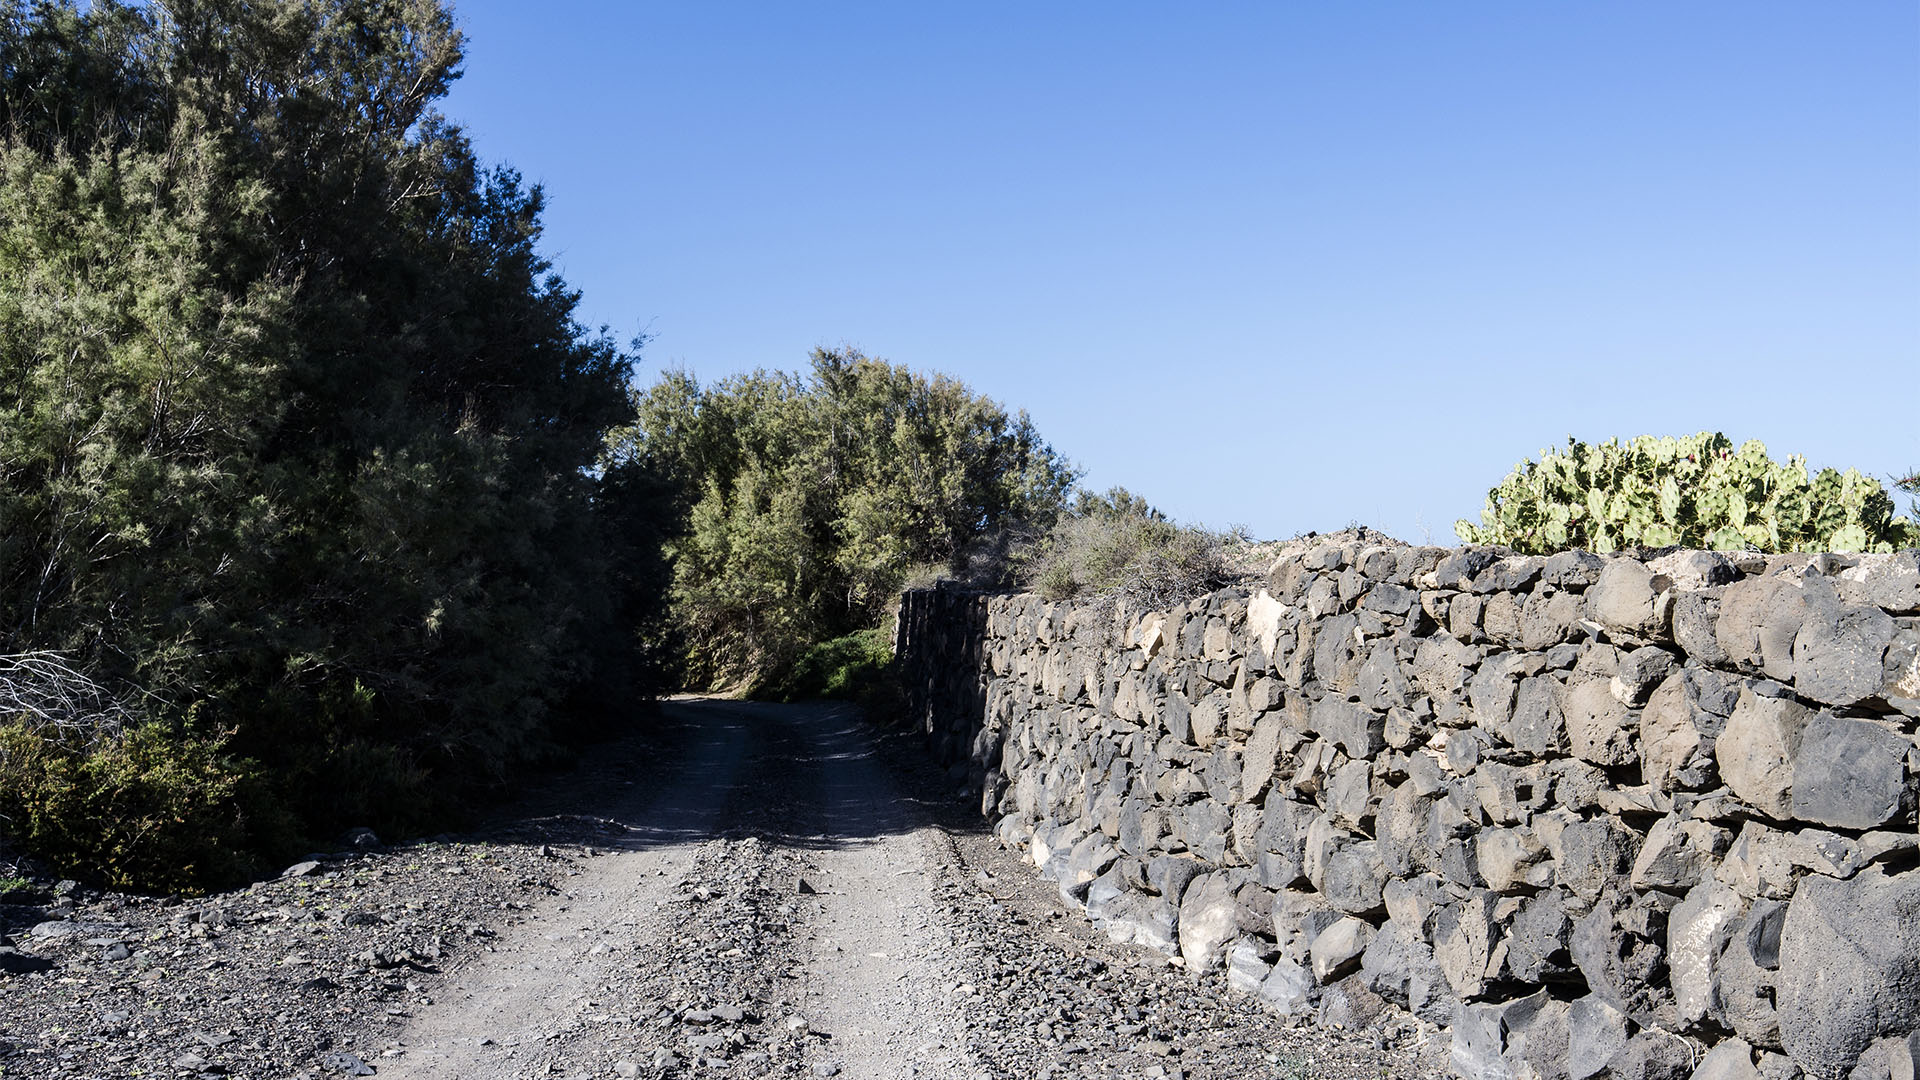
147	808
1697	491
297	426
1116	544
803	502
850	668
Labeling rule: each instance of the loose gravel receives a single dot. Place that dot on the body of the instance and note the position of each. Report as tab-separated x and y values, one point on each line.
744	890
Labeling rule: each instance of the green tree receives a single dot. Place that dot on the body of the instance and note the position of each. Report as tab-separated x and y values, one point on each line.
296	423
806	501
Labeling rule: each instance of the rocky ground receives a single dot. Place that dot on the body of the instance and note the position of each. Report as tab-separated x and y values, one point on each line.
746	890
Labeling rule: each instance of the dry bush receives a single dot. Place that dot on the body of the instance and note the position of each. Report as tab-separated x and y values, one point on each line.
1148	559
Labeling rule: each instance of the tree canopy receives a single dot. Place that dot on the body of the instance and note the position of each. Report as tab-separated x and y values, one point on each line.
296	422
804	501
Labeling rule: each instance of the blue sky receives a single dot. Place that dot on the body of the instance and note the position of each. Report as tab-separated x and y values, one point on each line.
1286	266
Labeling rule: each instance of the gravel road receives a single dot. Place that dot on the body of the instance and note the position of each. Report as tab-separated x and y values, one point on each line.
743	890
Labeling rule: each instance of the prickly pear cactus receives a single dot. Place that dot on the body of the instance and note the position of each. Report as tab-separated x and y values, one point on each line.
1698	491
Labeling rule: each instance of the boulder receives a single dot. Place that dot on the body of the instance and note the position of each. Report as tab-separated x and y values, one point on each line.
1851	774
1349	1004
1849	967
1441	666
1698	931
1715	694
1337	653
1760	616
1169	875
1411	902
1617	965
1548	618
1526	1037
1261	754
1537	939
1891	1058
1900	673
1677	853
1208	719
1298	917
1349	794
1131	918
1177	716
1464	937
1247	968
1640	671
1358	730
1208	922
1600	730
1745	992
1400	827
1085	861
1399	966
1653	1055
1513	859
1766	862
1288	989
1323	839
1538	726
1337	950
1479	1044
1538	1036
1888	582
1354	878
1696	618
1280	841
1625	601
1515	573
1732	1059
1691	571
1592	854
1204	825
1674	752
1597	1029
1457	570
1756	751
1142	827
1383	680
1838	652
1511	794
1573	570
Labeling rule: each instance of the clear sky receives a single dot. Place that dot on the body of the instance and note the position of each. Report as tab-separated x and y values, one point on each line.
1281	265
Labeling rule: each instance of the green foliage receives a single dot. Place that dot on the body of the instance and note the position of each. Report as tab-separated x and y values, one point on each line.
296	424
852	668
805	501
1116	544
1696	491
149	809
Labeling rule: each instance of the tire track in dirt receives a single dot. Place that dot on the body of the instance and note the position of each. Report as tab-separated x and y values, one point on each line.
692	940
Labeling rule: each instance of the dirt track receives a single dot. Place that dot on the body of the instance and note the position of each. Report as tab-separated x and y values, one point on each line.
851	958
745	890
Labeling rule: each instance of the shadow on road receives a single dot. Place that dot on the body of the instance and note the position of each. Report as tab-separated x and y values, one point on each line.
812	775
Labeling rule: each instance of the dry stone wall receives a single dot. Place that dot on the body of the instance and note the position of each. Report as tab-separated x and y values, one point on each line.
1596	815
